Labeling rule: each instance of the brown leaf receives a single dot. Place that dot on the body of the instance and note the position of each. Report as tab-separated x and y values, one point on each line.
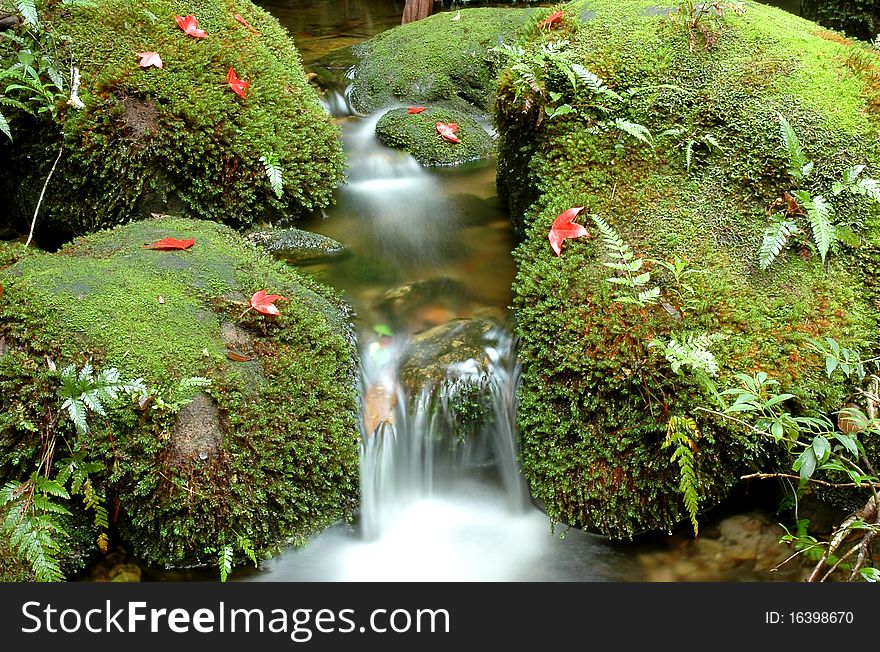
161	299
236	356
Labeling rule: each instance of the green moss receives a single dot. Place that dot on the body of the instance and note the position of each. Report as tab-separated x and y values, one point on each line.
435	59
152	140
417	135
595	398
286	463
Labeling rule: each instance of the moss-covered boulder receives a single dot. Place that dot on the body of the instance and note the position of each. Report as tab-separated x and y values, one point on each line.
435	59
596	394
176	139
417	134
267	451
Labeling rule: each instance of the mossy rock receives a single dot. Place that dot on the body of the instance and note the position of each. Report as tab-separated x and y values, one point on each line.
451	363
268	451
435	59
175	140
596	397
417	135
295	245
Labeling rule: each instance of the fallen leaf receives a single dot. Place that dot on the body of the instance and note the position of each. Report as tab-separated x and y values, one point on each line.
241	19
415	109
167	244
103	542
149	59
50	365
161	300
552	20
2	346
190	26
457	16
447	132
265	303
237	357
237	85
564	227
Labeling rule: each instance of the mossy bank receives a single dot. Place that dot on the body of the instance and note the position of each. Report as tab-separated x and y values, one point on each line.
596	395
417	134
268	451
175	139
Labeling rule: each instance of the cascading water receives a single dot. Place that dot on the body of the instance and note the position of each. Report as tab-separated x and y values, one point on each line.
440	501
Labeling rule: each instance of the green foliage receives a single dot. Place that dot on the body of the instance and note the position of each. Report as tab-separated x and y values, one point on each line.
703	20
86	392
225	554
274	173
629	269
799	166
682	434
28	11
170	400
690	351
31	524
852	181
776	238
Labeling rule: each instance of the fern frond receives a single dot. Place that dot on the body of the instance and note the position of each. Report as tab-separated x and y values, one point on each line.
247	548
649	297
682	433
819	213
593	82
224	561
274	173
28	10
636	130
776	237
691	351
4	126
798	165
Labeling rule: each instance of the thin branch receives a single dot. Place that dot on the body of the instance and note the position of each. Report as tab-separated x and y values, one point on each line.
40	200
767	476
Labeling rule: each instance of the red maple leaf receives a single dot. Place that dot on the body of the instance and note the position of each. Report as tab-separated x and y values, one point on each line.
265	303
564	227
552	20
168	244
190	26
149	59
237	85
242	20
415	109
447	132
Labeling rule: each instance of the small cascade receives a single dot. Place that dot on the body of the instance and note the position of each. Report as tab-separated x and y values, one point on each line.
425	449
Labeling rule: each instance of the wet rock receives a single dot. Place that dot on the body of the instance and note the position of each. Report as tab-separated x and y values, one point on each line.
452	349
197	432
429	299
379	404
125	573
741	547
330	72
295	245
417	135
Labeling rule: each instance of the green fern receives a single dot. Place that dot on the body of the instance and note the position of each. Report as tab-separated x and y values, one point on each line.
798	164
4	126
776	237
30	526
637	131
819	213
682	434
691	351
86	392
274	173
851	181
594	83
623	260
28	10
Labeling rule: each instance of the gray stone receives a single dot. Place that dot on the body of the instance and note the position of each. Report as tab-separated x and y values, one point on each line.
295	245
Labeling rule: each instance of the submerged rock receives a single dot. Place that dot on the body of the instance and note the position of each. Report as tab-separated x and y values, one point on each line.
417	135
267	451
296	246
175	139
597	391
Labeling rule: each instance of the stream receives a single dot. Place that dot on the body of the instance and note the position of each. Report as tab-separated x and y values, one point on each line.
431	510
